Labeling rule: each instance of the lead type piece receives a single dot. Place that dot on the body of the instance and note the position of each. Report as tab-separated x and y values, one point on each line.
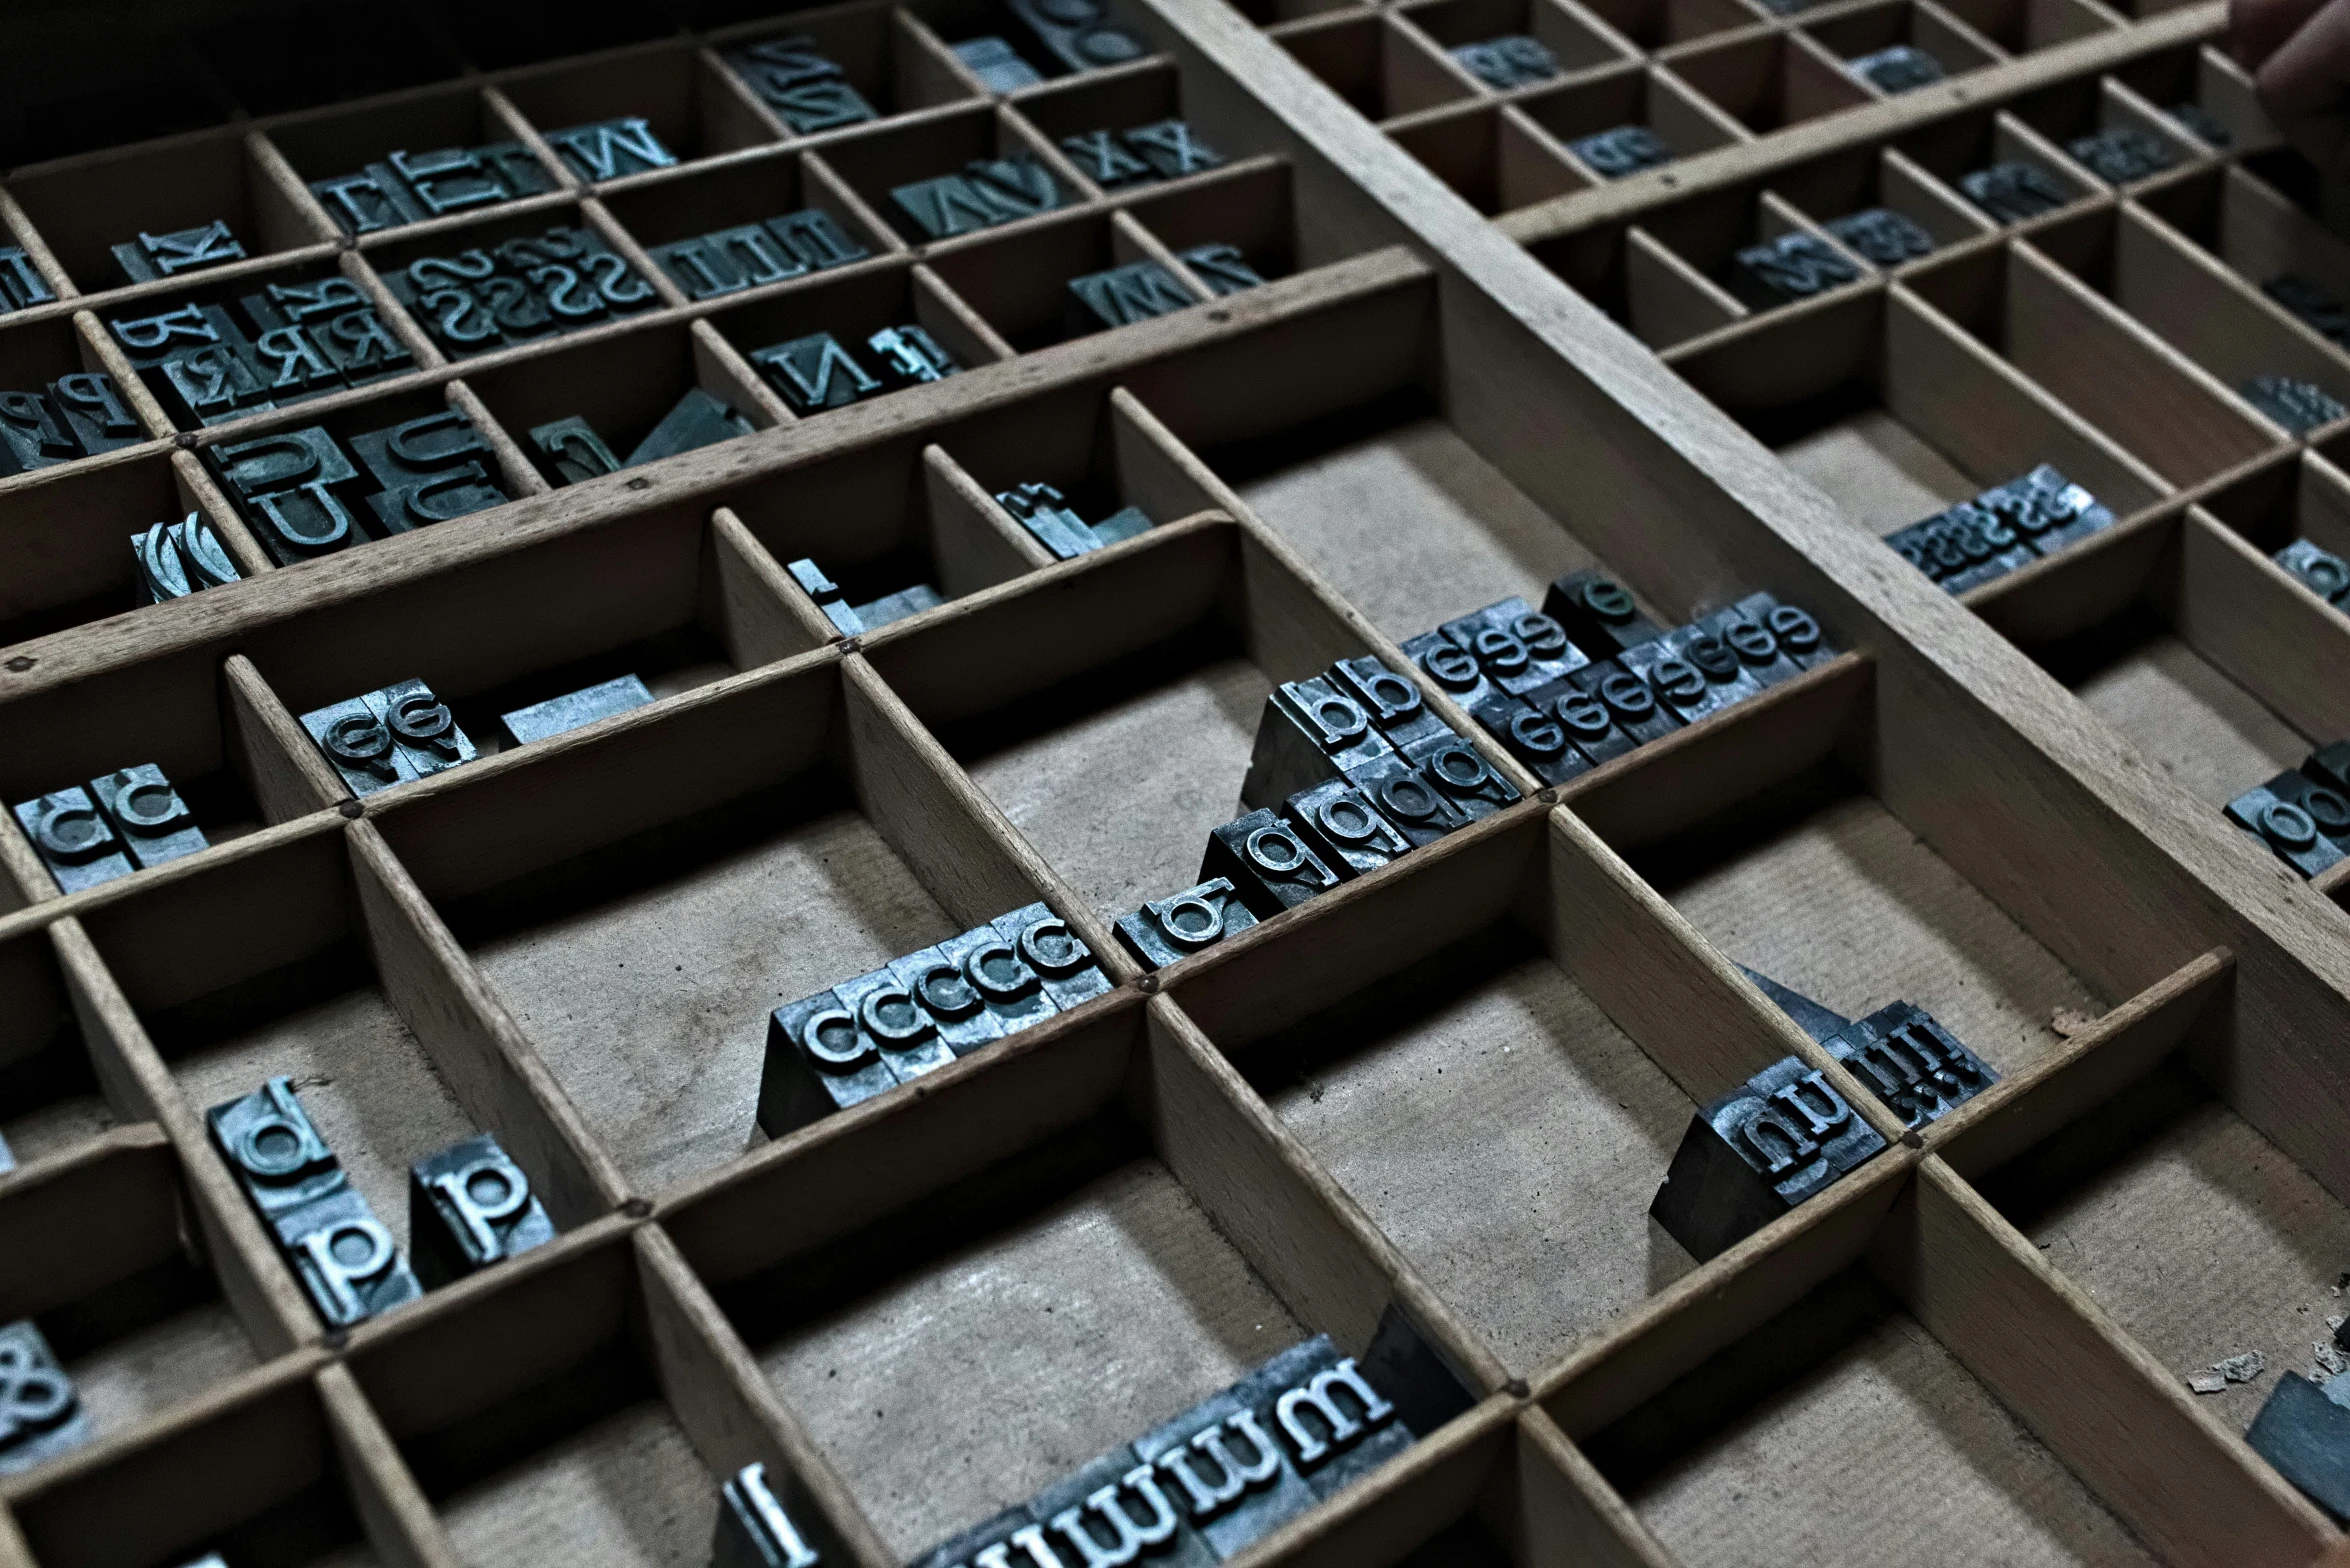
1750	1156
41	1414
173	560
131	820
1168	930
389	736
470	1206
806	88
753	1530
575	710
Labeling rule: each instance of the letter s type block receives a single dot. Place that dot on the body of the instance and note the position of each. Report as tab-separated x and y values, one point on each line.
470	1206
1755	1153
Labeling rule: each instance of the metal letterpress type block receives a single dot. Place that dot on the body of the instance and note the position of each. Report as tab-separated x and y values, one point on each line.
1511	61
903	1035
1727	677
610	148
1392	701
575	710
897	606
1586	719
2013	191
1104	158
1798	634
1882	237
939	986
1622	150
1598	614
1007	984
1819	1022
2299	820
346	1259
1045	513
815	373
2047	510
1121	296
2122	154
1417	809
695	420
2320	571
997	64
908	356
21	283
816	239
2329	765
2304	1430
31	434
1535	737
1755	1153
173	560
1751	640
1461	775
277	1155
73	839
826	593
571	451
818	1061
1913	1064
1172	148
358	743
422	728
1308	732
1117	1509
808	91
1518	647
470	1206
148	815
1078	33
1127	522
94	412
1629	701
153	256
41	1414
1266	862
1679	684
1338	822
1782	271
753	1530
1181	924
1900	68
1060	957
1452	667
1222	1466
2300	406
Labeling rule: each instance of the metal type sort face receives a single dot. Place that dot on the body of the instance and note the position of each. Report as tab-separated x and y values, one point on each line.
1519	647
1750	1156
2300	406
574	710
609	149
1104	158
805	88
693	421
1726	671
570	451
1078	33
153	256
1883	237
1622	150
1060	957
1223	268
1121	296
173	560
897	606
2329	765
1511	61
1535	737
1678	683
818	1061
2122	154
1819	1022
1899	69
987	192
1392	701
1269	864
2200	123
815	373
2285	821
1172	148
1790	268
289	486
470	1206
2304	1431
2046	509
1309	731
41	1414
1450	666
73	839
1009	986
21	284
1339	823
389	736
1962	547
2320	571
956	1009
346	1259
1597	614
1114	1510
2014	190
902	1034
1181	924
277	1155
1913	1064
94	412
147	814
1589	726
1420	812
1800	637
418	451
409	187
1461	775
908	356
1629	700
1754	644
1125	523
1043	511
753	1530
999	67
31	434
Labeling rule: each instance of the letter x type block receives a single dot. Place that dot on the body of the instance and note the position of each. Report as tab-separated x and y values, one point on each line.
1755	1153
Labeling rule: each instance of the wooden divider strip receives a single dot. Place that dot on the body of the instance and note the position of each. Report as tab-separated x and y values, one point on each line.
270	750
397	1516
2258	624
1569	1516
751	603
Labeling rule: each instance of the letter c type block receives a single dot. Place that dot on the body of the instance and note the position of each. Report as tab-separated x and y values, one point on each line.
470	1206
389	737
1755	1153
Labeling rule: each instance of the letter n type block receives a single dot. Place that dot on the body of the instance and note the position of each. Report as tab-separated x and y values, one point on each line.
1266	860
1755	1153
753	1530
815	373
470	1206
41	1414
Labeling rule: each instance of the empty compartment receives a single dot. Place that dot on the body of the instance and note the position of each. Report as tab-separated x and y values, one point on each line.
1769	82
1565	31
51	1098
2298	265
1383	69
1494	158
2019	26
1652	25
1842	1430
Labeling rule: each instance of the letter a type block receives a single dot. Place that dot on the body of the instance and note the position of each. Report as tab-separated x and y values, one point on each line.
1755	1153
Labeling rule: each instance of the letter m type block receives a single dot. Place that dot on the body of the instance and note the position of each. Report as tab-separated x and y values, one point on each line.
815	373
1124	295
1755	1153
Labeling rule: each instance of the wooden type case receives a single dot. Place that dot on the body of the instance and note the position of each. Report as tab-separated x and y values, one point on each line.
1448	1088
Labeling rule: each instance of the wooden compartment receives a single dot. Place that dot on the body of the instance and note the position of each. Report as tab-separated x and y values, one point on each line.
1384	70
892	61
1017	283
748	189
1768	83
1493	157
1920	24
1687	122
1840	184
1651	25
53	1100
35	353
325	143
1566	31
2020	26
876	160
855	303
695	107
1955	147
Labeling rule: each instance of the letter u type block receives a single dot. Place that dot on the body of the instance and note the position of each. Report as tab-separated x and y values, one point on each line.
1755	1153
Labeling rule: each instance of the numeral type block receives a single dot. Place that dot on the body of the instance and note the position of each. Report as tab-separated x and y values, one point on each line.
1267	862
1309	731
1078	33
2005	527
2122	154
1899	69
153	256
999	67
608	149
2304	822
753	1530
409	187
2300	406
346	1260
1750	1156
575	710
1914	1065
41	1414
2316	307
1622	150
1121	296
1881	236
2013	191
1204	1486
470	1206
2304	1430
73	839
1168	929
21	283
388	737
1630	701
1598	614
1790	268
2320	571
1461	775
1223	268
570	451
805	87
1343	829
1507	62
695	420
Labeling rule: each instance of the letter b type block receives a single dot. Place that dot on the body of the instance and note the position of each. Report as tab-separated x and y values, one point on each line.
1755	1153
470	1206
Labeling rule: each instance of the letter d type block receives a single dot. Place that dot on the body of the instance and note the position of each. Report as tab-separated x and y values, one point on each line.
470	1206
1755	1153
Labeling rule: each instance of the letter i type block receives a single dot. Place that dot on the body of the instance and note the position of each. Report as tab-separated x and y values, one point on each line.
1755	1153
